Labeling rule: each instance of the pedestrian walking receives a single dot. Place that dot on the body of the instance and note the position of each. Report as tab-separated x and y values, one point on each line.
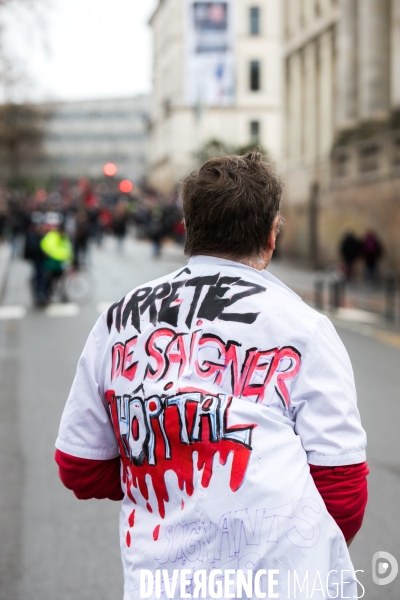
81	237
57	248
34	253
372	251
120	224
105	223
18	224
156	229
221	410
350	250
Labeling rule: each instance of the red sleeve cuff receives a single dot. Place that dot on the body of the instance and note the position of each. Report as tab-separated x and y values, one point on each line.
90	478
345	493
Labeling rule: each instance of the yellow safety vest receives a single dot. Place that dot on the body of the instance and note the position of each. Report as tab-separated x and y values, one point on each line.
57	246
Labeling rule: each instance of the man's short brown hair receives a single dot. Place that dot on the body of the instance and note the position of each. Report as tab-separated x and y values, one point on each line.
229	206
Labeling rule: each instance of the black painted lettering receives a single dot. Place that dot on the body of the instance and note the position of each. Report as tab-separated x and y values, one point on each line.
167	313
198	283
132	307
160	291
117	306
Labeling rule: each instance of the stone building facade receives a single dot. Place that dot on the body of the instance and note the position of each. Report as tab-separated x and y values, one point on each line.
252	114
342	125
79	137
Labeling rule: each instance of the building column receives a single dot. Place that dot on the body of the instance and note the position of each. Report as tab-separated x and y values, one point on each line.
292	17
347	110
310	102
325	95
294	107
395	55
374	59
313	237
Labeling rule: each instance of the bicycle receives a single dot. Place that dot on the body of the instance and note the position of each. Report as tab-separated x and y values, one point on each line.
75	285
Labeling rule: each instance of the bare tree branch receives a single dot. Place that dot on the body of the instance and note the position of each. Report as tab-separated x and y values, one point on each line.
22	126
12	74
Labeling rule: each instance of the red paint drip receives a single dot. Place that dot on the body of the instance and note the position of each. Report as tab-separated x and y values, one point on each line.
181	461
199	322
128	539
182	504
156	533
131	519
135	429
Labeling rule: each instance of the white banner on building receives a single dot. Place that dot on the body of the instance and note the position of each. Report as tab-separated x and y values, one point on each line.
209	53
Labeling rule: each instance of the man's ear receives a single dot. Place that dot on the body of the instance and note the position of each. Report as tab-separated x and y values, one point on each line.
274	232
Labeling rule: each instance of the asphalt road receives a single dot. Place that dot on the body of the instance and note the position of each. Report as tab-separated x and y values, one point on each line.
54	547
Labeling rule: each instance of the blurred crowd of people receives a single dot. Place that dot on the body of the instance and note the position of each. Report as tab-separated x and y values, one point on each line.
54	228
367	249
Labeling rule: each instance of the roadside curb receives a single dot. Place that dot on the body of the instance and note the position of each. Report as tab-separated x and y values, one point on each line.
379	330
5	262
354	316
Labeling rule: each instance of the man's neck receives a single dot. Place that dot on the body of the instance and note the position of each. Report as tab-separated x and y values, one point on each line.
258	263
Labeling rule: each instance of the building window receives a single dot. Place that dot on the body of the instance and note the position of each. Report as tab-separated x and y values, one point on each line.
369	158
255	20
255	75
255	128
342	165
396	151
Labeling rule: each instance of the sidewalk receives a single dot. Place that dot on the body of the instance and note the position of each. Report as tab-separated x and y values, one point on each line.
363	307
362	303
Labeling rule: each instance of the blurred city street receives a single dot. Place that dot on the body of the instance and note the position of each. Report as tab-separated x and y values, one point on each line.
55	547
109	118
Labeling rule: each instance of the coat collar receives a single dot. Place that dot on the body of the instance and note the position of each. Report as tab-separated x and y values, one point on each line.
201	259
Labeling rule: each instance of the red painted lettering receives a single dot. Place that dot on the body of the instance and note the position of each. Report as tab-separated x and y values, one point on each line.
117	354
152	350
129	367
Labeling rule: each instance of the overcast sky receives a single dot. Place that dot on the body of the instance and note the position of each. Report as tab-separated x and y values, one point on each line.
86	48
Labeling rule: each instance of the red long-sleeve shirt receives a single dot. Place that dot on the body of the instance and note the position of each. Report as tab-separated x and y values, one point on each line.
90	478
345	493
343	489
